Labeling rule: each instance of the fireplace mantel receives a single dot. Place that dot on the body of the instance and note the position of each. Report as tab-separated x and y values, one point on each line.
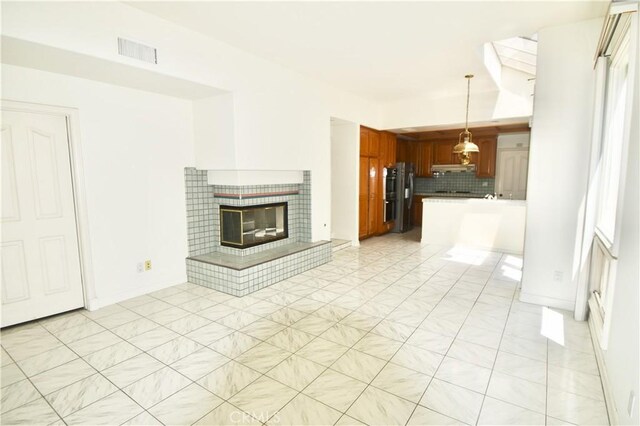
254	177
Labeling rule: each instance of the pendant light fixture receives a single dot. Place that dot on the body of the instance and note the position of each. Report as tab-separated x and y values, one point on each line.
465	145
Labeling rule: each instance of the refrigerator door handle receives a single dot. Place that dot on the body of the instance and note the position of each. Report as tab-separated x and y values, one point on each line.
410	189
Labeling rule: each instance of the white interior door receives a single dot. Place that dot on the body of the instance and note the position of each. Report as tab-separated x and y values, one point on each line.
40	259
511	174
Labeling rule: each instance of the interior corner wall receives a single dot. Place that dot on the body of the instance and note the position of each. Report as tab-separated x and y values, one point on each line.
623	350
345	145
135	146
557	179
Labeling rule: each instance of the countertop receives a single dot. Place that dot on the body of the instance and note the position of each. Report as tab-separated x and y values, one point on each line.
469	200
449	195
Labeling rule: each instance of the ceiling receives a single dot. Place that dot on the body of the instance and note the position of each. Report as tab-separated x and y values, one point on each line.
383	51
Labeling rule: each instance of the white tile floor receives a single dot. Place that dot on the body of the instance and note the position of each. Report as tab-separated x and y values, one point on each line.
388	333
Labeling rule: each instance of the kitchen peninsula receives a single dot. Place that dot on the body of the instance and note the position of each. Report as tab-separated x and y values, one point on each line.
488	224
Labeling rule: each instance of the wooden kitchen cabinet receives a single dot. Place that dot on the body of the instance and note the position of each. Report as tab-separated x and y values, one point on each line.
401	150
416	210
392	142
363	198
387	149
374	143
443	152
486	163
364	142
375	198
424	159
369	201
377	150
369	142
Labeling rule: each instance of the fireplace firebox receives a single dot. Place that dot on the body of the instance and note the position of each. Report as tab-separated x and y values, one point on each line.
249	226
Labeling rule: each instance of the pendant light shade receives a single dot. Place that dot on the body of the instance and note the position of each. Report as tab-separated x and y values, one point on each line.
465	145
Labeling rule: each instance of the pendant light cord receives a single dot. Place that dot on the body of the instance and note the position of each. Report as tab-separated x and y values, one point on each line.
466	122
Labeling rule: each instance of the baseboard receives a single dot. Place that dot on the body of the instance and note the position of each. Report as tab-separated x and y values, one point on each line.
547	301
101	302
604	376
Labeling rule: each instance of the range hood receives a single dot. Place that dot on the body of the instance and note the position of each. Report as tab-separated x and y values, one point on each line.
454	168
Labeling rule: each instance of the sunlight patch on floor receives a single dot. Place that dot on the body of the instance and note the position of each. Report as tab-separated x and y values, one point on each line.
552	326
467	255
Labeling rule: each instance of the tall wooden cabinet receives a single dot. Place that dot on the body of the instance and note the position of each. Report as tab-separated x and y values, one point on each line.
377	150
424	158
486	163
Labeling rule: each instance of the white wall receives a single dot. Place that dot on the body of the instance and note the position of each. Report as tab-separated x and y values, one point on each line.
214	134
557	170
345	154
623	354
281	118
512	99
135	146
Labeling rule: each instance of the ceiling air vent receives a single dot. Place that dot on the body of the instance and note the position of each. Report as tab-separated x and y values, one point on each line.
137	51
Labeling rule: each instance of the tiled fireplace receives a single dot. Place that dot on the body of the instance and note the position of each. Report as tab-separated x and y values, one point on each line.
244	238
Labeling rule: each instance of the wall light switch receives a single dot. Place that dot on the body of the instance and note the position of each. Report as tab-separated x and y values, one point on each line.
558	275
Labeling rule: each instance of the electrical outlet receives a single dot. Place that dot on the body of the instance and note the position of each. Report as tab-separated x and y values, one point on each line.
632	403
485	183
147	265
140	267
558	275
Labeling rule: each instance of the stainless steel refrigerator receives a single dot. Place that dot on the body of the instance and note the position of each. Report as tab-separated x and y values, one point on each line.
404	191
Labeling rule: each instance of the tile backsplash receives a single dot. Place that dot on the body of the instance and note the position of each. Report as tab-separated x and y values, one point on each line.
464	181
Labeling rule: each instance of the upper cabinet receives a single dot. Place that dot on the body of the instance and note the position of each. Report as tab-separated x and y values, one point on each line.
424	159
420	153
388	148
364	142
443	152
486	163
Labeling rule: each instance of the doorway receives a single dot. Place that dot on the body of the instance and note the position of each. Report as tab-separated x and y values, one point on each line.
511	173
41	251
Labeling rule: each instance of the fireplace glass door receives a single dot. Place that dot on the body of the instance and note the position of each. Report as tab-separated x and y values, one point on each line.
249	226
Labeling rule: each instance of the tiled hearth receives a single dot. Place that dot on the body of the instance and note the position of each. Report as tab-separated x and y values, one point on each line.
242	271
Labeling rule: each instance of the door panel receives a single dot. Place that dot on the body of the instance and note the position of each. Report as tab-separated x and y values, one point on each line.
511	174
10	205
55	264
40	257
46	179
14	273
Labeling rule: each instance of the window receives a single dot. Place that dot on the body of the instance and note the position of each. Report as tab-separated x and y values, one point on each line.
612	122
519	53
613	142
